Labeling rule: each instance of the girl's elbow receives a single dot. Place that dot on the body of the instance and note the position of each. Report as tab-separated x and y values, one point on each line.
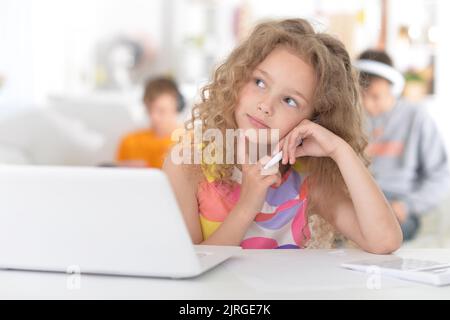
387	246
197	239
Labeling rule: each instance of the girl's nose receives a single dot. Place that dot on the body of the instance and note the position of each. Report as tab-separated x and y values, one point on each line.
265	108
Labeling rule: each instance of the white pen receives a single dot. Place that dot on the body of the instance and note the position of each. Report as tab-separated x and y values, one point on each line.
276	158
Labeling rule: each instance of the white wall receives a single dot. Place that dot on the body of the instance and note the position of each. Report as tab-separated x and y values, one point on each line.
319	12
15	53
65	33
440	108
46	45
443	55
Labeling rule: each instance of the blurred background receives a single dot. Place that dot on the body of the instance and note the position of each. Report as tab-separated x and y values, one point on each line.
72	71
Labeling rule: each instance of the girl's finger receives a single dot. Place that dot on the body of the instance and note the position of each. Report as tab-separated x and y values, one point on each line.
271	170
294	142
292	145
274	179
285	150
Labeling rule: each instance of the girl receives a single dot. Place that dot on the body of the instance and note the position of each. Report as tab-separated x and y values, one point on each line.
281	77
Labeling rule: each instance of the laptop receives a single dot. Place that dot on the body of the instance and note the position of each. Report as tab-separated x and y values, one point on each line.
112	221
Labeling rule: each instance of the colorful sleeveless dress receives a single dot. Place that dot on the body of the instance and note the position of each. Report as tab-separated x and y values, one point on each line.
282	222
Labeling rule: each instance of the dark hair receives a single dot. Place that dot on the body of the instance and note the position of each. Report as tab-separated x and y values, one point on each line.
365	79
162	85
376	55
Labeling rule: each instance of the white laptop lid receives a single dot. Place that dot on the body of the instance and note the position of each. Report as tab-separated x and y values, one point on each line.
94	220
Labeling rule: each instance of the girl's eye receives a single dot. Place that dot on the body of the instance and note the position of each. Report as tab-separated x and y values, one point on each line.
260	83
291	102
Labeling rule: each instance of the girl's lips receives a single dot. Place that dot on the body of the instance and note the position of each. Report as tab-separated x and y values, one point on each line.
257	123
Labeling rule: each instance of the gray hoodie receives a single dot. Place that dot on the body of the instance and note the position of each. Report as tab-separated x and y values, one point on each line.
408	155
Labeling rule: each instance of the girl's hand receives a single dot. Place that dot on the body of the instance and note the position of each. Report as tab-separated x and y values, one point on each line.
309	139
255	184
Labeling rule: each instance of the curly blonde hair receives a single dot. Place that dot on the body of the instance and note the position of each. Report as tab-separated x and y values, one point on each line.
336	102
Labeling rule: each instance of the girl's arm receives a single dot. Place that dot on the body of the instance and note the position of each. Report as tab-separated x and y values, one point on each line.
365	217
232	230
184	185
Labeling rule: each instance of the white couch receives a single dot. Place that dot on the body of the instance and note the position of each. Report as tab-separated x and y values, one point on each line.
79	131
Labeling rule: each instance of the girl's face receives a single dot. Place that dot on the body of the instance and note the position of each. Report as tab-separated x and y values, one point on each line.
278	94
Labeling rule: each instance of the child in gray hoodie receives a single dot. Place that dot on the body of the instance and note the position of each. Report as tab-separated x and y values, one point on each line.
409	159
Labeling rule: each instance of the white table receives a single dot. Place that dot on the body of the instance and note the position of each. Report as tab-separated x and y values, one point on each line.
256	274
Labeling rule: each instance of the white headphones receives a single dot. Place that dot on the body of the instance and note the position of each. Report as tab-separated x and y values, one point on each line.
384	71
